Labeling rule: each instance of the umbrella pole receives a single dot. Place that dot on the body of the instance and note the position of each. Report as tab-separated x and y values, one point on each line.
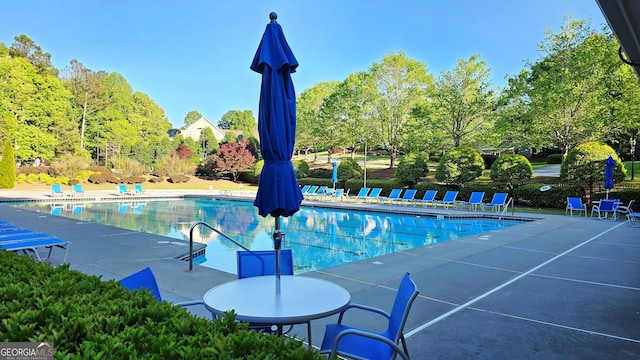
278	237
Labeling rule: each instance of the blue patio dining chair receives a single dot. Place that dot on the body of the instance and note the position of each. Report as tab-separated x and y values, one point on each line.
575	204
146	280
604	208
356	343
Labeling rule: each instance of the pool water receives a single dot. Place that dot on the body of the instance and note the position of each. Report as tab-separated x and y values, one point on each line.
318	237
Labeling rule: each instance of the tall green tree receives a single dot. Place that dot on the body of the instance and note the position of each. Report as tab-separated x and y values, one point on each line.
241	121
312	128
402	84
192	116
464	102
26	48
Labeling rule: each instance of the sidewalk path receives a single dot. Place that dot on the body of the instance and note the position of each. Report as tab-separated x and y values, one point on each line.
551	170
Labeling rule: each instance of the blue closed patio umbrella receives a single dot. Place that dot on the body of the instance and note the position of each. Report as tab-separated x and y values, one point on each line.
608	174
278	189
334	175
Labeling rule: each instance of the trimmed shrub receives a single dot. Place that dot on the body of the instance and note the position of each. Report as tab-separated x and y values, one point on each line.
302	169
459	166
586	163
156	179
412	168
320	173
348	169
554	159
88	318
176	179
530	195
134	180
512	170
160	172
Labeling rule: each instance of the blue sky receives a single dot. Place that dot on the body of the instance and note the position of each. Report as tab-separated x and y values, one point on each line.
195	54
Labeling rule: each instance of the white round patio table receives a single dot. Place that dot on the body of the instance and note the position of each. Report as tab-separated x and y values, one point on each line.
301	300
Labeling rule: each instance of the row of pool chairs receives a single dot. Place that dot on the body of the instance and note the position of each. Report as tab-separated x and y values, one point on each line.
19	240
78	190
499	202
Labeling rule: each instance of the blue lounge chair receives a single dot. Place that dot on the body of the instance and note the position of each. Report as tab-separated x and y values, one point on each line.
319	192
305	189
575	204
137	188
338	195
428	198
23	237
393	195
78	189
604	208
475	200
146	280
351	342
362	194
122	190
448	199
311	190
498	202
374	195
408	196
31	246
56	190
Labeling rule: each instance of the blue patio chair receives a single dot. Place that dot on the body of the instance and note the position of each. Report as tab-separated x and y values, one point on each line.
338	195
448	199
498	202
311	190
137	188
409	196
604	208
475	200
394	195
428	198
623	209
350	342
56	189
146	280
305	189
362	194
31	246
261	263
575	204
78	189
374	195
122	190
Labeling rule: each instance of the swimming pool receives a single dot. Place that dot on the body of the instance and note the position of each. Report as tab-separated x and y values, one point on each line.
319	237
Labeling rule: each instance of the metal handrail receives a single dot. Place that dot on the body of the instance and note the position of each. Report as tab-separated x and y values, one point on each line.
197	223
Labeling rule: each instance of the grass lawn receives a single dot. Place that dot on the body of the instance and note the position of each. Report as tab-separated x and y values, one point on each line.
636	170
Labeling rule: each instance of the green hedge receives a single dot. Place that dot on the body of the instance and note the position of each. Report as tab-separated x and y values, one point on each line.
88	318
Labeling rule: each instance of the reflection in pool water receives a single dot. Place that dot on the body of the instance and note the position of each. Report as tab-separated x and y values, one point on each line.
319	237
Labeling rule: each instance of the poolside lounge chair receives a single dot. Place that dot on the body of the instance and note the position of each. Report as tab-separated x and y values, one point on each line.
146	280
137	188
604	208
393	195
575	204
305	189
448	199
338	195
32	246
409	196
351	342
122	190
6	238
475	200
498	202
78	189
374	195
311	190
319	192
428	197
56	190
362	194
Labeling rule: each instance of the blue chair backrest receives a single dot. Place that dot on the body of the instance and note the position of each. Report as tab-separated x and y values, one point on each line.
312	190
138	187
375	192
574	202
407	292
363	192
476	197
321	190
339	192
409	194
123	188
77	188
499	198
395	193
305	189
607	205
56	188
429	195
450	196
143	279
263	262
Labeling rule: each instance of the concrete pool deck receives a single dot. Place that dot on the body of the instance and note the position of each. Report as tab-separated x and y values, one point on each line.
558	287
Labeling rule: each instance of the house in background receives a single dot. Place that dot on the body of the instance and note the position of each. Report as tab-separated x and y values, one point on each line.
193	131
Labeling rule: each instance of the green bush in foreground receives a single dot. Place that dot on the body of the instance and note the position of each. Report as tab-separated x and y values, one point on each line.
87	318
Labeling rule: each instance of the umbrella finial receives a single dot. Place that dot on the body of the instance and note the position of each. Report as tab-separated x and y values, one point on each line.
273	16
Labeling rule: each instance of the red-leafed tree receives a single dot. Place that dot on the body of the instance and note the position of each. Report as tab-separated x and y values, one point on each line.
234	157
184	152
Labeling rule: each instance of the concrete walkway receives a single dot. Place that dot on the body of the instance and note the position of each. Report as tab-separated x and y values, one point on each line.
558	287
